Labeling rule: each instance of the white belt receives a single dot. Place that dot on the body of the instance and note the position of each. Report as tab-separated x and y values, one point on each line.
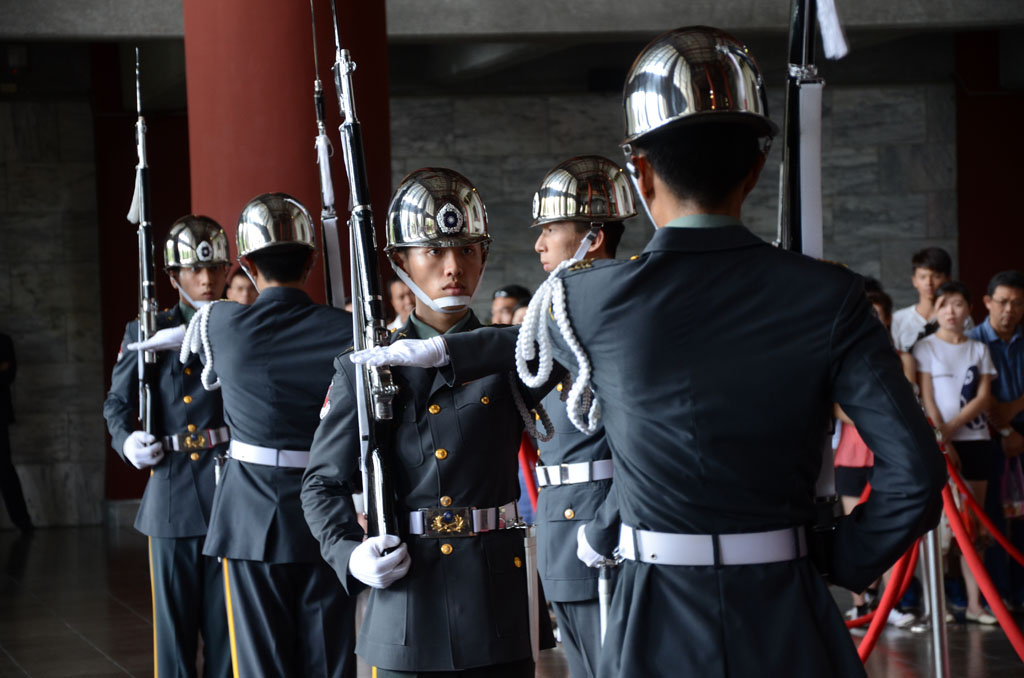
268	456
750	548
569	474
462	521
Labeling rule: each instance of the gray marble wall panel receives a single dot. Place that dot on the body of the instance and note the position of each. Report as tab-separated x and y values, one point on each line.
888	170
50	305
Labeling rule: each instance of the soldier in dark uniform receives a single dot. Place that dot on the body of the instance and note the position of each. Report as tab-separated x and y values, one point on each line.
578	212
716	358
189	433
287	615
451	599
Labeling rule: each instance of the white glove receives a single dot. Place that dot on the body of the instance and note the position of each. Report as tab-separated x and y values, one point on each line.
165	340
405	352
585	552
142	449
369	565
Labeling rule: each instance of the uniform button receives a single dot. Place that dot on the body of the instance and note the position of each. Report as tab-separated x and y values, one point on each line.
194	456
187	399
441	453
485	400
151	472
188	370
517	561
446	501
434	409
191	428
446	549
569	514
559	387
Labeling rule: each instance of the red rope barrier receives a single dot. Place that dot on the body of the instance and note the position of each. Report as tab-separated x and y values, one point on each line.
899	580
903	586
982	516
527	461
995	602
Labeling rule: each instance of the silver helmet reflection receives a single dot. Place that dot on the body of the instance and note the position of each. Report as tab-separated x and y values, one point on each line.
589	189
195	241
436	207
271	220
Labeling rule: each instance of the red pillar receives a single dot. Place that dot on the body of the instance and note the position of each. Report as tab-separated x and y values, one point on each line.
249	69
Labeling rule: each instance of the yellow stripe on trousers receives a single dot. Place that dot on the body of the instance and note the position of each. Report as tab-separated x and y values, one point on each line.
231	621
152	591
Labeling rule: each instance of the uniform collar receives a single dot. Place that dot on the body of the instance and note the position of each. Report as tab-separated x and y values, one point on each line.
703	221
704	238
415	327
185	312
990	336
288	295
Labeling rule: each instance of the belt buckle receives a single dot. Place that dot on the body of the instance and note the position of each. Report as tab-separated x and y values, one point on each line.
448	522
563	474
195	441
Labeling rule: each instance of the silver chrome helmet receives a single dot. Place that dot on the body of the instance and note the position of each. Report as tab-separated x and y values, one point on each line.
436	207
690	75
195	241
589	189
273	219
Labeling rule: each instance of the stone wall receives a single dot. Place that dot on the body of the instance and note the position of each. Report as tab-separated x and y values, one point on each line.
50	305
889	171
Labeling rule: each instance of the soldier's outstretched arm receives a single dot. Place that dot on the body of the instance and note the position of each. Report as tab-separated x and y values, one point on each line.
909	472
120	409
332	475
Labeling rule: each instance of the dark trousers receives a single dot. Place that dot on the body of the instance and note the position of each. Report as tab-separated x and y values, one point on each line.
188	601
520	669
580	626
289	619
10	485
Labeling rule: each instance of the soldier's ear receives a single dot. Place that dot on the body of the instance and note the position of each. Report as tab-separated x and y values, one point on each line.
598	242
644	173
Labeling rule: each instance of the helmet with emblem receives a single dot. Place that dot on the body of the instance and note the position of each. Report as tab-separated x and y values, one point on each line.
589	189
436	207
195	241
272	220
691	75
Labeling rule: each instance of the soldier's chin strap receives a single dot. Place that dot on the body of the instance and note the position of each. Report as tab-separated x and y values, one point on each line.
588	240
197	305
454	304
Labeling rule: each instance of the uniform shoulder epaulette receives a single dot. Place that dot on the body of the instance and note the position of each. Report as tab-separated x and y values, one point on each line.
582	264
350	349
834	263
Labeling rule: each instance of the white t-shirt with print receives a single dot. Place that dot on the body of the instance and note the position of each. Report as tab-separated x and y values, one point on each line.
907	325
956	371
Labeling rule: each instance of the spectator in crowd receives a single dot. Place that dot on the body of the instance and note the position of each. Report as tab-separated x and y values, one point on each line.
10	485
931	267
240	288
955	374
505	300
519	312
1002	333
403	301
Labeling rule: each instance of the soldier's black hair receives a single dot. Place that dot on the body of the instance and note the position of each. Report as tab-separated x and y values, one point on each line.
702	162
282	263
954	287
613	231
1014	279
934	259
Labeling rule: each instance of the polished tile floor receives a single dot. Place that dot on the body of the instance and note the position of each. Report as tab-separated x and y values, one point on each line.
76	602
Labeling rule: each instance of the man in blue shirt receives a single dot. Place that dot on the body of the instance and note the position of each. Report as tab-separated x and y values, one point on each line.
1002	332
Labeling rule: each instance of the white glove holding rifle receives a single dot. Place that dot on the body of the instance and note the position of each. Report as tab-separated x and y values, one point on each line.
370	565
168	339
431	352
142	449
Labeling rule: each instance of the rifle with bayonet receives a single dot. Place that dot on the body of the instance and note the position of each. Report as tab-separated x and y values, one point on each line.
375	389
139	214
333	275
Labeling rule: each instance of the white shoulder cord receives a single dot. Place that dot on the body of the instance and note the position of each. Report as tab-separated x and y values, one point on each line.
197	338
528	421
534	339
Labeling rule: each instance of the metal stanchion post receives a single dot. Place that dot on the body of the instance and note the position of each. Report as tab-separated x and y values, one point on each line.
936	602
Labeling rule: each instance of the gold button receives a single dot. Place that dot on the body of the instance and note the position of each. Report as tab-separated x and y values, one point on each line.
191	428
187	399
194	456
634	257
441	453
188	370
446	501
446	549
517	561
536	416
434	409
150	472
569	514
558	387
485	400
